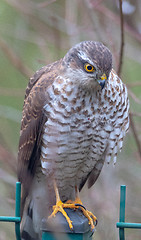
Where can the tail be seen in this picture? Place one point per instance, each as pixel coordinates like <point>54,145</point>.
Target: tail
<point>35,207</point>
<point>27,228</point>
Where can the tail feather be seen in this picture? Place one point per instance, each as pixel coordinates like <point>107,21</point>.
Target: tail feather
<point>25,236</point>
<point>36,206</point>
<point>27,229</point>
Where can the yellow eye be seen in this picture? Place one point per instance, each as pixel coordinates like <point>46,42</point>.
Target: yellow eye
<point>89,68</point>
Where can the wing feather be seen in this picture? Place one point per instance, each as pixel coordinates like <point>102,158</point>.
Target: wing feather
<point>31,130</point>
<point>93,175</point>
<point>32,123</point>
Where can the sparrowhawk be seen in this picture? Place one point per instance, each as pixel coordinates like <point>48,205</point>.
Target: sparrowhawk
<point>75,116</point>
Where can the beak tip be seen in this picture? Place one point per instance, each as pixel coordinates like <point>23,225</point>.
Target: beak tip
<point>101,83</point>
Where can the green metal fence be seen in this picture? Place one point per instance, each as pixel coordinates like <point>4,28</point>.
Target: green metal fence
<point>48,235</point>
<point>122,224</point>
<point>17,218</point>
<point>80,223</point>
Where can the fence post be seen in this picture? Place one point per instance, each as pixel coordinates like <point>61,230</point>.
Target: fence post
<point>18,209</point>
<point>122,209</point>
<point>17,218</point>
<point>58,229</point>
<point>122,224</point>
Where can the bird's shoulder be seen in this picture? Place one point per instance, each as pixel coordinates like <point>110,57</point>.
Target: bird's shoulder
<point>44,77</point>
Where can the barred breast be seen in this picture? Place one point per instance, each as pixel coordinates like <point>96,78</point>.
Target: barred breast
<point>83,128</point>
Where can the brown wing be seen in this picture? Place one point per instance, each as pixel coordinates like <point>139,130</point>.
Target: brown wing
<point>93,175</point>
<point>30,135</point>
<point>33,80</point>
<point>32,124</point>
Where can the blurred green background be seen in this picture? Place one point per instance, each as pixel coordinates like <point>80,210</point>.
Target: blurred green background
<point>35,33</point>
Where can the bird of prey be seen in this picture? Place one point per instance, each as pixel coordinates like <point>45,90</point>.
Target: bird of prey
<point>75,116</point>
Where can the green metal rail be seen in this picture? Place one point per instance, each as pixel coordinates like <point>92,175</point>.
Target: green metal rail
<point>17,218</point>
<point>48,235</point>
<point>122,224</point>
<point>80,223</point>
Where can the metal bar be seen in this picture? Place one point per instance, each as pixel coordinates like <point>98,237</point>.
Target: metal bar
<point>122,203</point>
<point>17,218</point>
<point>18,199</point>
<point>122,210</point>
<point>128,225</point>
<point>9,219</point>
<point>17,210</point>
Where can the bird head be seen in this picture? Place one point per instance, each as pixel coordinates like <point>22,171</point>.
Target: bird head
<point>89,64</point>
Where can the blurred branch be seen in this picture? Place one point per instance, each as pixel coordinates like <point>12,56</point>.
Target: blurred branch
<point>133,96</point>
<point>8,178</point>
<point>135,84</point>
<point>115,18</point>
<point>43,22</point>
<point>14,59</point>
<point>88,8</point>
<point>45,4</point>
<point>135,134</point>
<point>14,92</point>
<point>113,47</point>
<point>71,11</point>
<point>135,114</point>
<point>10,113</point>
<point>122,39</point>
<point>7,158</point>
<point>132,123</point>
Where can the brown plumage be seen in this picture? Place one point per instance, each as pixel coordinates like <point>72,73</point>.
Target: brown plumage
<point>75,116</point>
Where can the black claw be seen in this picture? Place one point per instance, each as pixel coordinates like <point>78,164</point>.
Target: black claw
<point>72,229</point>
<point>92,232</point>
<point>80,205</point>
<point>96,222</point>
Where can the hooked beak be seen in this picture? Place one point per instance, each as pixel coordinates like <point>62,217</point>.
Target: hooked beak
<point>102,80</point>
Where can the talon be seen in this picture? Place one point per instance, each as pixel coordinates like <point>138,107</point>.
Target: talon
<point>96,222</point>
<point>79,205</point>
<point>91,218</point>
<point>92,232</point>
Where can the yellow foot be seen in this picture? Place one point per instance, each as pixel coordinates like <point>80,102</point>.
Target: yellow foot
<point>59,207</point>
<point>89,215</point>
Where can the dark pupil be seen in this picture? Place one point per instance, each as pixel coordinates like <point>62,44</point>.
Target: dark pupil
<point>89,68</point>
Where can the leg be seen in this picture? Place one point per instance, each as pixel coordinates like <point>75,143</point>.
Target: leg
<point>59,207</point>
